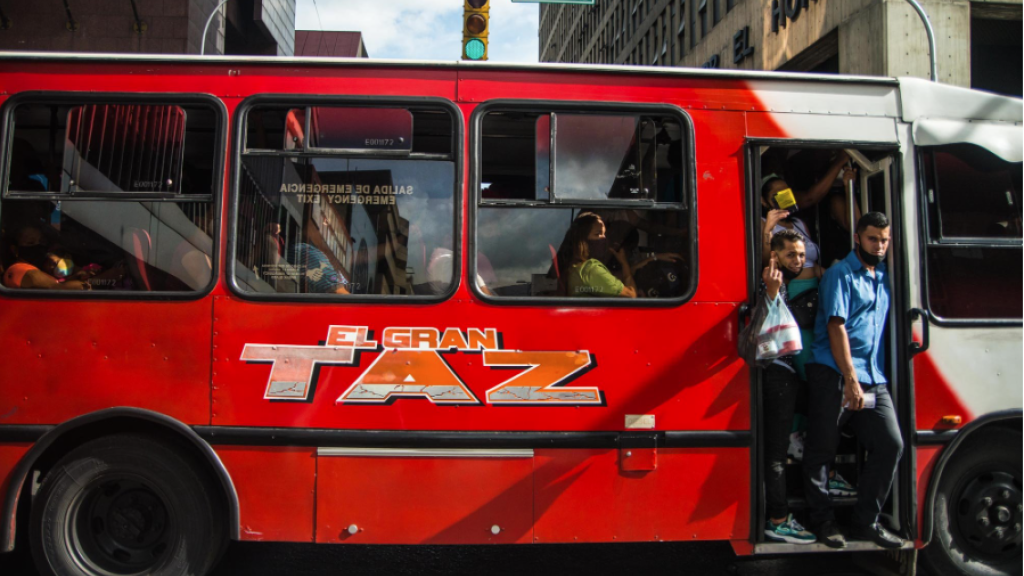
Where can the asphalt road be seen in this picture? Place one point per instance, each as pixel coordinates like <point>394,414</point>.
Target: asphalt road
<point>714,558</point>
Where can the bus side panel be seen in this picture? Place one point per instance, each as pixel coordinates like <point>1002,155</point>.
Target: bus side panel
<point>967,372</point>
<point>927,457</point>
<point>424,500</point>
<point>152,355</point>
<point>228,78</point>
<point>679,366</point>
<point>276,492</point>
<point>693,494</point>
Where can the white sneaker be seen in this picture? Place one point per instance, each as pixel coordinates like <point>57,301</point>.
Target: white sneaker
<point>796,446</point>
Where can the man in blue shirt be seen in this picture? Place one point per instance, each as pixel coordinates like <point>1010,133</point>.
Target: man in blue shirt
<point>848,369</point>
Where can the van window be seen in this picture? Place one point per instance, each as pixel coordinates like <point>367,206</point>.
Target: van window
<point>546,174</point>
<point>110,196</point>
<point>339,201</point>
<point>974,249</point>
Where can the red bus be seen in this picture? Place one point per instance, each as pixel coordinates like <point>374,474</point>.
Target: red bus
<point>326,301</point>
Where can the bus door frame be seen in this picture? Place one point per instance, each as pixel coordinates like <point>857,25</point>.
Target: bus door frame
<point>904,493</point>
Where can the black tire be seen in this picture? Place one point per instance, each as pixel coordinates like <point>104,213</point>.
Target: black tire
<point>977,514</point>
<point>127,505</point>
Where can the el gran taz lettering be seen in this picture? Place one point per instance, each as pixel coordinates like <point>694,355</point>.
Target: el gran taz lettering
<point>409,364</point>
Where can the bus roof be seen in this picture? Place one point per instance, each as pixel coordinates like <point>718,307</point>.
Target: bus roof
<point>450,65</point>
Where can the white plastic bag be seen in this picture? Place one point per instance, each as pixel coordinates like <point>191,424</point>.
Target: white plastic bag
<point>779,334</point>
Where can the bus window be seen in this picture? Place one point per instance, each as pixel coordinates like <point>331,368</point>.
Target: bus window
<point>110,196</point>
<point>974,233</point>
<point>346,201</point>
<point>625,172</point>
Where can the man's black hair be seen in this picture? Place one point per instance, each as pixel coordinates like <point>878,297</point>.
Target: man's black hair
<point>768,185</point>
<point>876,219</point>
<point>780,238</point>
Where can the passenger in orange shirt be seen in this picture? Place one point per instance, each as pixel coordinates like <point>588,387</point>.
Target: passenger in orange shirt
<point>30,251</point>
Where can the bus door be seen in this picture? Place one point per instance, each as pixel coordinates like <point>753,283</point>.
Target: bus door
<point>814,173</point>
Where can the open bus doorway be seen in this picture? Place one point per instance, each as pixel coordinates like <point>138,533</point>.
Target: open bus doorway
<point>830,186</point>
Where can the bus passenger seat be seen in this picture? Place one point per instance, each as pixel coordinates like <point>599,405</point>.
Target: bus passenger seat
<point>138,244</point>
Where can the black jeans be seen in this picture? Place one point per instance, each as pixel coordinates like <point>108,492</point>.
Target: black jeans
<point>779,392</point>
<point>876,430</point>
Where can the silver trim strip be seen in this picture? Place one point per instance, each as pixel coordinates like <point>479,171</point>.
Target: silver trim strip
<point>428,452</point>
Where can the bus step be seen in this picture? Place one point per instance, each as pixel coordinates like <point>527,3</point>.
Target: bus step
<point>799,503</point>
<point>851,546</point>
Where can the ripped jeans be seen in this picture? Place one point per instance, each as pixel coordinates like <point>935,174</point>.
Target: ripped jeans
<point>779,394</point>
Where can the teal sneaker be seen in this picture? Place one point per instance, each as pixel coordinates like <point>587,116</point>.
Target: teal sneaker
<point>789,531</point>
<point>838,486</point>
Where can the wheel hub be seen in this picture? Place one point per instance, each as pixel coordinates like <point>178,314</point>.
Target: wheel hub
<point>989,514</point>
<point>121,528</point>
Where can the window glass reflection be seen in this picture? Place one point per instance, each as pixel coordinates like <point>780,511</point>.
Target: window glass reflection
<point>332,225</point>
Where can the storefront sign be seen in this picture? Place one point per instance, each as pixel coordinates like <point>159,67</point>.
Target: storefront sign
<point>783,10</point>
<point>741,47</point>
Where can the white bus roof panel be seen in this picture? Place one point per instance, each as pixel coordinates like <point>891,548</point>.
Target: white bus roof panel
<point>943,114</point>
<point>924,99</point>
<point>1002,139</point>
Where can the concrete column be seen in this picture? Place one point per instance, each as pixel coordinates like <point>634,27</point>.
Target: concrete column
<point>906,52</point>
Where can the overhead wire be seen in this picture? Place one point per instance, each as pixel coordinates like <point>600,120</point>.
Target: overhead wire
<point>318,21</point>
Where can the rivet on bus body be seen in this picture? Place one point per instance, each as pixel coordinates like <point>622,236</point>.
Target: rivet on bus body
<point>495,529</point>
<point>352,529</point>
<point>628,454</point>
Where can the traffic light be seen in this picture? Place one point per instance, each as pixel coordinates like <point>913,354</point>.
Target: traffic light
<point>475,22</point>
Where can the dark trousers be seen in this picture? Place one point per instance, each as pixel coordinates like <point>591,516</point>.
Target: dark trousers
<point>779,393</point>
<point>876,430</point>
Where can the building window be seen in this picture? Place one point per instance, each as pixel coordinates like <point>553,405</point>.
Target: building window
<point>541,169</point>
<point>681,40</point>
<point>346,201</point>
<point>112,195</point>
<point>702,11</point>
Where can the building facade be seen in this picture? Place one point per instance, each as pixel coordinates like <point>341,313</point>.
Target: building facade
<point>253,27</point>
<point>330,44</point>
<point>978,42</point>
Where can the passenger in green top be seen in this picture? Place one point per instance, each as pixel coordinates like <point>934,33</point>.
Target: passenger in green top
<point>587,275</point>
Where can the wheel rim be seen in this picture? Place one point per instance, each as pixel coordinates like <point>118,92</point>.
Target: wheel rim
<point>118,526</point>
<point>989,515</point>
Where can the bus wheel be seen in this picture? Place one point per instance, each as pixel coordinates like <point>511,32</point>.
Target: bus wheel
<point>977,511</point>
<point>123,505</point>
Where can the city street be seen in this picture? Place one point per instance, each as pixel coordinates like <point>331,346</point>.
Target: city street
<point>268,559</point>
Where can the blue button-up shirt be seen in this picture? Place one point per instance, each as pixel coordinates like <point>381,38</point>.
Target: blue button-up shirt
<point>849,292</point>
